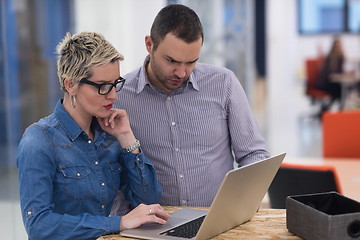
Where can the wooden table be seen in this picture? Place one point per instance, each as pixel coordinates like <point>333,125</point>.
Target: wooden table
<point>347,170</point>
<point>266,224</point>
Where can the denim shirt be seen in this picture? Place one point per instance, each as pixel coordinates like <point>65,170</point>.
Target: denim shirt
<point>68,182</point>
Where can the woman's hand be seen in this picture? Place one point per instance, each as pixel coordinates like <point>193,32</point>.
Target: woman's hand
<point>118,125</point>
<point>143,214</point>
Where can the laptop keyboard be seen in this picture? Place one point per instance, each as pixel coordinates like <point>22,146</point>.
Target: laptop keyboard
<point>187,230</point>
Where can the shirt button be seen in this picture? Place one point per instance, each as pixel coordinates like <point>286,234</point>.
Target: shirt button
<point>96,163</point>
<point>181,176</point>
<point>102,206</point>
<point>183,202</point>
<point>173,123</point>
<point>29,213</point>
<point>89,141</point>
<point>177,149</point>
<point>78,174</point>
<point>169,98</point>
<point>102,184</point>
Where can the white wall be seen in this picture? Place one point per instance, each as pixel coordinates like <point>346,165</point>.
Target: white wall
<point>281,57</point>
<point>125,23</point>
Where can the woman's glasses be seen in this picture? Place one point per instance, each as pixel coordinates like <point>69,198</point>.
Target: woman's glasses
<point>105,88</point>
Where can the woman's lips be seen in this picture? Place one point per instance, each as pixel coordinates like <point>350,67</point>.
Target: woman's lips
<point>108,107</point>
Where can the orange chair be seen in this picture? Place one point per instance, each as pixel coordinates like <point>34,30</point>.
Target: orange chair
<point>313,67</point>
<point>298,179</point>
<point>341,133</point>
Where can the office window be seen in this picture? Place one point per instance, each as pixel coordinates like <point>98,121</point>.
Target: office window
<point>328,16</point>
<point>321,16</point>
<point>354,16</point>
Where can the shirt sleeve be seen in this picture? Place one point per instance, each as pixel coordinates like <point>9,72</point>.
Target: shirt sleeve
<point>36,168</point>
<point>246,139</point>
<point>141,185</point>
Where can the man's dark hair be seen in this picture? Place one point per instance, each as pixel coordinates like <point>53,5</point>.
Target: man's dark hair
<point>178,19</point>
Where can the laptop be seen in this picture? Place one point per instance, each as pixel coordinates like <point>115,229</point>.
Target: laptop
<point>235,203</point>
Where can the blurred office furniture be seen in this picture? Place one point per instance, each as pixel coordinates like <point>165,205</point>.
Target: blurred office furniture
<point>349,82</point>
<point>341,131</point>
<point>295,179</point>
<point>317,96</point>
<point>312,67</point>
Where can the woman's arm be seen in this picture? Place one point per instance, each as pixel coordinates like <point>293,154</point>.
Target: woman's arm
<point>37,167</point>
<point>141,185</point>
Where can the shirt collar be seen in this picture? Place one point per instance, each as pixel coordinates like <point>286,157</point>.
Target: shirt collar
<point>71,128</point>
<point>144,80</point>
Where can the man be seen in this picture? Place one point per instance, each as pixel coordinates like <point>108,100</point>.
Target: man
<point>193,120</point>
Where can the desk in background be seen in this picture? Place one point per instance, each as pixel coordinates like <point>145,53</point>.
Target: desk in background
<point>347,170</point>
<point>266,224</point>
<point>348,81</point>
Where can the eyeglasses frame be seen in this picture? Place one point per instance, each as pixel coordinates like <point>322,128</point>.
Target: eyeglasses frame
<point>120,80</point>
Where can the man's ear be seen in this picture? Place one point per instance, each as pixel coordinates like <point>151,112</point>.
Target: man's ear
<point>70,86</point>
<point>149,44</point>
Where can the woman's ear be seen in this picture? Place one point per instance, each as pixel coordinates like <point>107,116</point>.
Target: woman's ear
<point>70,86</point>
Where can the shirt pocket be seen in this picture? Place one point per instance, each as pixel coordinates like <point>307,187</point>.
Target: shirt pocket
<point>205,128</point>
<point>115,172</point>
<point>77,182</point>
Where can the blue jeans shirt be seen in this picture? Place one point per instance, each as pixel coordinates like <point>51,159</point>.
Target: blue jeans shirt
<point>68,182</point>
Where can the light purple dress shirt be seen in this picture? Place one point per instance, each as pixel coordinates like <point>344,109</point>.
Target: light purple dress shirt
<point>193,135</point>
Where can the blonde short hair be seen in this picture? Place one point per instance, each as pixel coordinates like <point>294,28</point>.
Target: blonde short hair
<point>79,53</point>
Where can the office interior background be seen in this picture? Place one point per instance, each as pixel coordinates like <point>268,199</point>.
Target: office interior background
<point>265,42</point>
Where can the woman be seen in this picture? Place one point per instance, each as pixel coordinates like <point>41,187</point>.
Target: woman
<point>72,163</point>
<point>333,63</point>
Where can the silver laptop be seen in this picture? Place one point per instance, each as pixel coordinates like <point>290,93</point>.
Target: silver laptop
<point>235,203</point>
